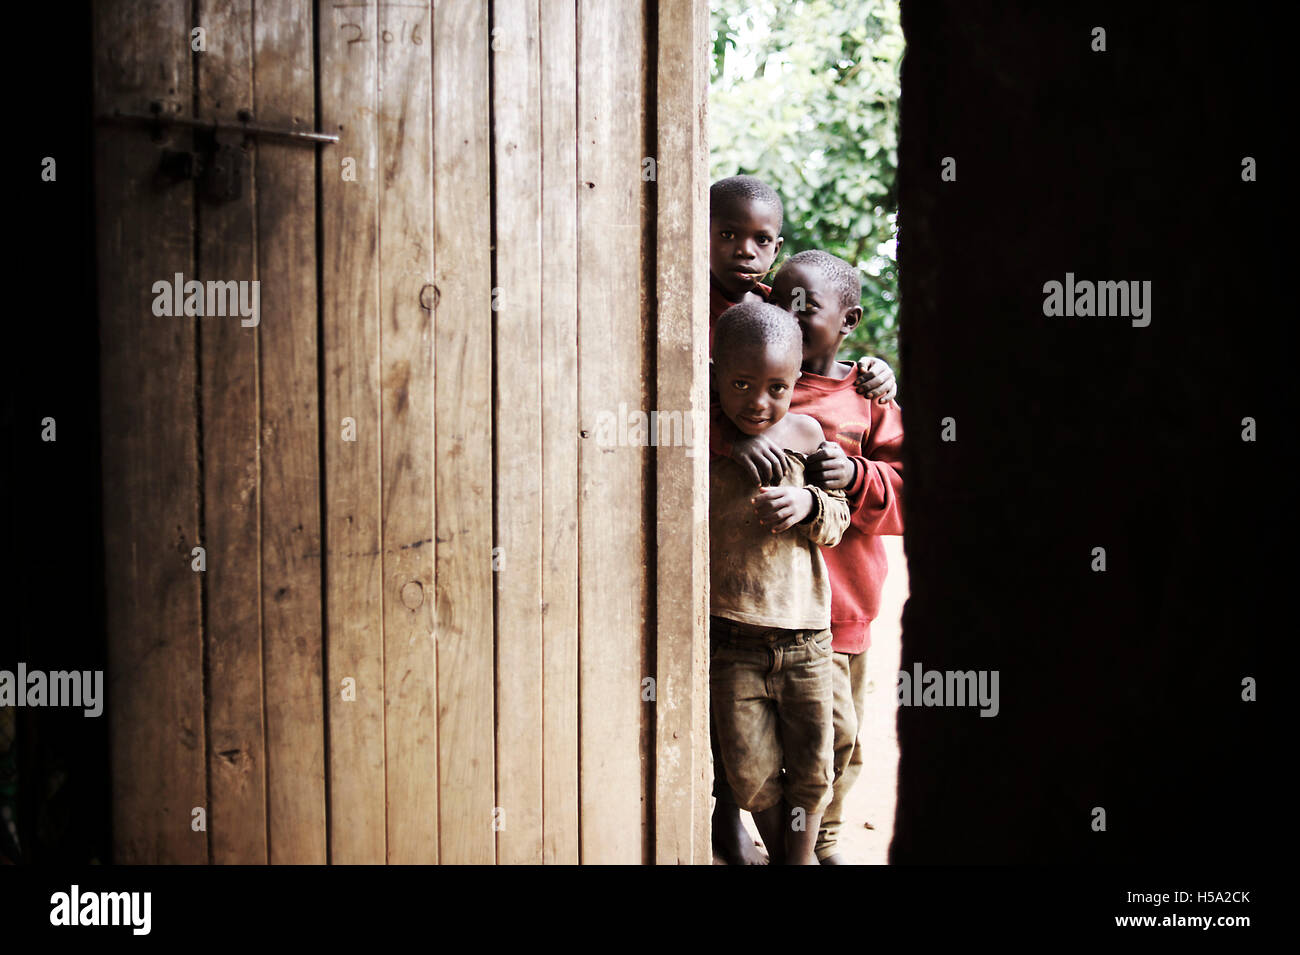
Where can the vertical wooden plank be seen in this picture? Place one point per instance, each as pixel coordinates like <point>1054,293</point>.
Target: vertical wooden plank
<point>682,772</point>
<point>284,96</point>
<point>231,471</point>
<point>517,428</point>
<point>612,369</point>
<point>150,454</point>
<point>348,62</point>
<point>463,478</point>
<point>559,367</point>
<point>406,367</point>
<point>646,296</point>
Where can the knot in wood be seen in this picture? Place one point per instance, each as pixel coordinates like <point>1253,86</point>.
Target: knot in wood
<point>429,296</point>
<point>412,594</point>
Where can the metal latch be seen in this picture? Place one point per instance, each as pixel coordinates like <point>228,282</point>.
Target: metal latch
<point>216,161</point>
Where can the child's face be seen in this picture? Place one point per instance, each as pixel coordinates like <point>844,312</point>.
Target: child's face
<point>754,385</point>
<point>805,291</point>
<point>743,242</point>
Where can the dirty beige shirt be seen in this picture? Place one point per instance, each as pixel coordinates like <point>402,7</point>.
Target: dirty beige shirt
<point>765,579</point>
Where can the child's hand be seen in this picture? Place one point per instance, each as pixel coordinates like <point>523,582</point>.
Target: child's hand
<point>781,508</point>
<point>875,379</point>
<point>829,466</point>
<point>760,458</point>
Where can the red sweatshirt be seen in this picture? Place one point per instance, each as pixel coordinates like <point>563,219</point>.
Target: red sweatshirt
<point>871,435</point>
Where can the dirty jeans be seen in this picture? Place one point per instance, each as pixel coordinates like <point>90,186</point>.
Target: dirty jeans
<point>771,697</point>
<point>850,698</point>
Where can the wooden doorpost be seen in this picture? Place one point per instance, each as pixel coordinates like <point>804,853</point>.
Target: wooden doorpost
<point>683,778</point>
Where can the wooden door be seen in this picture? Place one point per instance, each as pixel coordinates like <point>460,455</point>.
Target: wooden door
<point>435,616</point>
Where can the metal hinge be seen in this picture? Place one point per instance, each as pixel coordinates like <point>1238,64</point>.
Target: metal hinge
<point>215,161</point>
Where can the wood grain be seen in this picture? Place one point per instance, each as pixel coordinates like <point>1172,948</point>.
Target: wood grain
<point>231,469</point>
<point>559,368</point>
<point>407,416</point>
<point>350,339</point>
<point>683,778</point>
<point>463,469</point>
<point>612,337</point>
<point>292,638</point>
<point>150,454</point>
<point>517,428</point>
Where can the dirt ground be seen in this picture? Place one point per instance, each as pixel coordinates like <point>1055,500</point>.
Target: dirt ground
<point>874,796</point>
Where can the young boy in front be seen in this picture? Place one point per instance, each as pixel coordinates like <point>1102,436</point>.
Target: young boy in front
<point>770,675</point>
<point>863,457</point>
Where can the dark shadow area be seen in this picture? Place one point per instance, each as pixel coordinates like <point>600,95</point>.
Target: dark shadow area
<point>1119,689</point>
<point>54,777</point>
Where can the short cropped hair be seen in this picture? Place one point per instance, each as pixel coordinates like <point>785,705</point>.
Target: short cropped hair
<point>725,193</point>
<point>756,323</point>
<point>843,277</point>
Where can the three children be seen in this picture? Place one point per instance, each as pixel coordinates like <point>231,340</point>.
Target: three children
<point>857,454</point>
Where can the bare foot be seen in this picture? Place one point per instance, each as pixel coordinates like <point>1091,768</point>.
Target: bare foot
<point>771,823</point>
<point>731,840</point>
<point>834,859</point>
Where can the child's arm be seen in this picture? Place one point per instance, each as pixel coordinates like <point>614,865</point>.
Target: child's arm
<point>875,492</point>
<point>781,508</point>
<point>832,518</point>
<point>875,379</point>
<point>821,516</point>
<point>873,482</point>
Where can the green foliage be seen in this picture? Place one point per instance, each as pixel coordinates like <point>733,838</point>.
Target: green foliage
<point>804,95</point>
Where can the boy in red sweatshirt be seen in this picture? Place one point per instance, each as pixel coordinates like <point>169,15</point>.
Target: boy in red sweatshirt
<point>861,456</point>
